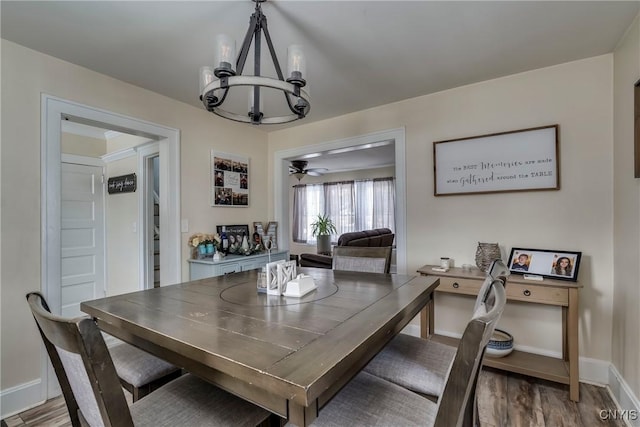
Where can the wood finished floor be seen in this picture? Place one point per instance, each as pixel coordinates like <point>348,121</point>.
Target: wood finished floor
<point>508,400</point>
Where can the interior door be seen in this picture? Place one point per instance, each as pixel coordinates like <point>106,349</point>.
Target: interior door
<point>82,236</point>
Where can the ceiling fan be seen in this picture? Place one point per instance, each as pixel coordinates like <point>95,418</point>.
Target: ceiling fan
<point>298,168</point>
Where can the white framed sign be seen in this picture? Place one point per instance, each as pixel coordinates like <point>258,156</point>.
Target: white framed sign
<point>229,180</point>
<point>520,160</point>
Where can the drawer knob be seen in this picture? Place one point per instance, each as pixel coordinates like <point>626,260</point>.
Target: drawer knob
<point>527,293</point>
<point>456,285</point>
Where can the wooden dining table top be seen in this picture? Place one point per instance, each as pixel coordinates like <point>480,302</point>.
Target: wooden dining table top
<point>289,355</point>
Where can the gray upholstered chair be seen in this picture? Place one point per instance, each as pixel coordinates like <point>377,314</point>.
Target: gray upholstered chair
<point>140,372</point>
<point>92,389</point>
<point>354,258</point>
<point>371,400</point>
<point>421,365</point>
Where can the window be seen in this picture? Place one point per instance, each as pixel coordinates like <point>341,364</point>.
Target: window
<point>351,205</point>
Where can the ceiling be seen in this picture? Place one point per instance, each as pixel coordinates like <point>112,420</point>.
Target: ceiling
<point>365,156</point>
<point>360,54</point>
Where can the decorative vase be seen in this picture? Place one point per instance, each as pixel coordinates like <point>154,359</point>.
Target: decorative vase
<point>486,254</point>
<point>210,249</point>
<point>202,251</point>
<point>324,244</point>
<point>245,244</point>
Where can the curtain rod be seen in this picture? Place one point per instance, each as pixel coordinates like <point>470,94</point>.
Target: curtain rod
<point>346,182</point>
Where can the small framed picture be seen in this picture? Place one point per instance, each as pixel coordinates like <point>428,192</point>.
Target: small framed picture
<point>553,264</point>
<point>235,234</point>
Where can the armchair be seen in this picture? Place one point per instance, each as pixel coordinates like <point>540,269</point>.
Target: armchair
<point>379,237</point>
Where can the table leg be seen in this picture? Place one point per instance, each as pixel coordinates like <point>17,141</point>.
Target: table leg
<point>565,336</point>
<point>427,319</point>
<point>572,344</point>
<point>302,416</point>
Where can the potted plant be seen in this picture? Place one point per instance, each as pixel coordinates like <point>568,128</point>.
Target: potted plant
<point>322,228</point>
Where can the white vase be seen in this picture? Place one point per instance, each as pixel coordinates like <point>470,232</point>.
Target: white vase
<point>245,244</point>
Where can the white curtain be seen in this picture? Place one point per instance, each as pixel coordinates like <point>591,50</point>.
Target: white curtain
<point>351,205</point>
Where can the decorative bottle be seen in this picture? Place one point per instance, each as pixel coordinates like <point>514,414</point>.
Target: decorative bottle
<point>245,243</point>
<point>225,241</point>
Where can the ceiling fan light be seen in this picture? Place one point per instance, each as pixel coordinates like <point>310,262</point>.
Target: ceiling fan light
<point>299,175</point>
<point>225,56</point>
<point>296,65</point>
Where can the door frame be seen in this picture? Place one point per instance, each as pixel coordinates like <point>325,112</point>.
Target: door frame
<point>145,214</point>
<point>281,184</point>
<point>53,110</point>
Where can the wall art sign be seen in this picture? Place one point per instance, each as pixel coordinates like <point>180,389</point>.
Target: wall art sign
<point>520,160</point>
<point>122,184</point>
<point>229,180</point>
<point>553,264</point>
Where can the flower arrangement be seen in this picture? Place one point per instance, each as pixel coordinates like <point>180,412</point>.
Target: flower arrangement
<point>198,239</point>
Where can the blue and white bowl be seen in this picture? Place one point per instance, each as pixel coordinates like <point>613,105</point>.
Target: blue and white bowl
<point>500,344</point>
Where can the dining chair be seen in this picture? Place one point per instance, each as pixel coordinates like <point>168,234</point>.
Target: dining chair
<point>365,259</point>
<point>421,365</point>
<point>371,400</point>
<point>92,390</point>
<point>140,372</point>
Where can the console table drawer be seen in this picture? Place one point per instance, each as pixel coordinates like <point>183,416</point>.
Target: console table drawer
<point>537,294</point>
<point>459,286</point>
<point>228,269</point>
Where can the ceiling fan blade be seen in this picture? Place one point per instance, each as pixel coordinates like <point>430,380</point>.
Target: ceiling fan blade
<point>313,172</point>
<point>319,170</point>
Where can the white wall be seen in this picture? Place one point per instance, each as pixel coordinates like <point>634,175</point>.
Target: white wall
<point>626,197</point>
<point>82,145</point>
<point>25,75</point>
<point>577,96</point>
<point>122,240</point>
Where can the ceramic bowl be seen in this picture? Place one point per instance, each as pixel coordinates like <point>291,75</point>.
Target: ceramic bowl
<point>500,344</point>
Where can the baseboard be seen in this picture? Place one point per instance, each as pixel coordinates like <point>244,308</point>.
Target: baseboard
<point>20,398</point>
<point>591,370</point>
<point>624,396</point>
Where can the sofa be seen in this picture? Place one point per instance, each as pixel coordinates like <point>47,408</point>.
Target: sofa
<point>379,237</point>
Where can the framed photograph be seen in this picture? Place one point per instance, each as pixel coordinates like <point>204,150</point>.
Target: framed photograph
<point>235,233</point>
<point>519,160</point>
<point>229,180</point>
<point>552,264</point>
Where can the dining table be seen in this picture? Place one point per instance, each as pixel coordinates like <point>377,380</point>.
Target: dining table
<point>287,354</point>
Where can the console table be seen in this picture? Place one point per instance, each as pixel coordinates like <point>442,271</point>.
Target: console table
<point>202,268</point>
<point>549,292</point>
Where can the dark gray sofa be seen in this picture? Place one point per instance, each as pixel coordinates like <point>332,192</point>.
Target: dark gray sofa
<point>378,237</point>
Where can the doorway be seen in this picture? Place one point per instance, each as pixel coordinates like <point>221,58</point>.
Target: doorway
<point>54,110</point>
<point>281,183</point>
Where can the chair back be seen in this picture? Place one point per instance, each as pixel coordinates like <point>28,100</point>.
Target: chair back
<point>355,258</point>
<point>456,406</point>
<point>83,367</point>
<point>497,270</point>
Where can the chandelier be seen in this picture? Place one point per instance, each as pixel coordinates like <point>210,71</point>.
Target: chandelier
<point>216,83</point>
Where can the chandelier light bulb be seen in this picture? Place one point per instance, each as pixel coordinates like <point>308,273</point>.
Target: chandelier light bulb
<point>225,56</point>
<point>296,65</point>
<point>206,77</point>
